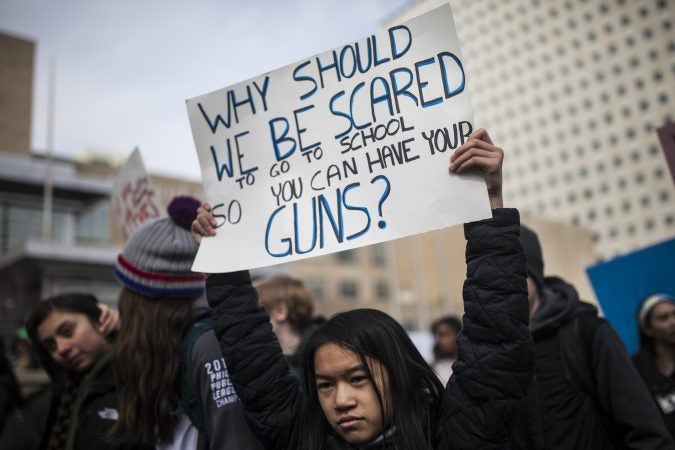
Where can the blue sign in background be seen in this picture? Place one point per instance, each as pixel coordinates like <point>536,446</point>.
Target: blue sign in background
<point>623,282</point>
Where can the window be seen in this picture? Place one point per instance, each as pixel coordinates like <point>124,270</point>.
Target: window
<point>382,291</point>
<point>349,289</point>
<point>318,287</point>
<point>93,224</point>
<point>645,201</point>
<point>346,256</point>
<point>379,254</point>
<point>21,222</point>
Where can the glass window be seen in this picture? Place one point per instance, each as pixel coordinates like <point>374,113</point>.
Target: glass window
<point>318,287</point>
<point>349,289</point>
<point>379,254</point>
<point>382,291</point>
<point>346,256</point>
<point>21,222</point>
<point>93,224</point>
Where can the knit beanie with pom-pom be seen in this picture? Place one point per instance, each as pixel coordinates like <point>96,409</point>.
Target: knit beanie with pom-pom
<point>157,259</point>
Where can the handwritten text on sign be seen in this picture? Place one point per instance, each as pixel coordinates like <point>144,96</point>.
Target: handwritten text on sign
<point>134,198</point>
<point>343,149</point>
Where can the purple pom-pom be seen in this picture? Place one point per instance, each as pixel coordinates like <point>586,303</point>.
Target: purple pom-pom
<point>183,210</point>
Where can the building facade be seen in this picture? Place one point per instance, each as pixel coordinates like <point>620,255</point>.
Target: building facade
<point>574,91</point>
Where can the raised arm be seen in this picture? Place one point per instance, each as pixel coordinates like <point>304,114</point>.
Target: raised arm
<point>495,365</point>
<point>270,394</point>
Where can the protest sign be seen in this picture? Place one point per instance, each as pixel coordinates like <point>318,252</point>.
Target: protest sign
<point>623,282</point>
<point>134,198</point>
<point>343,149</point>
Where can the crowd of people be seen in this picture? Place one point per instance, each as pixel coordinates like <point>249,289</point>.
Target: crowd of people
<point>218,362</point>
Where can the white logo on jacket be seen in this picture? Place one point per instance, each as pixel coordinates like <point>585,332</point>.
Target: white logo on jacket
<point>222,390</point>
<point>109,413</point>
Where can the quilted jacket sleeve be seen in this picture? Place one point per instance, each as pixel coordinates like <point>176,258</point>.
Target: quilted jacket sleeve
<point>271,395</point>
<point>495,365</point>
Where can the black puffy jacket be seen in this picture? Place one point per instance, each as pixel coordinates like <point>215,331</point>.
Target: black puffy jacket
<point>609,410</point>
<point>492,374</point>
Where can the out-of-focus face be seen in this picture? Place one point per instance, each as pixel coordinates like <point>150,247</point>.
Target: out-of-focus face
<point>532,295</point>
<point>661,325</point>
<point>347,396</point>
<point>446,340</point>
<point>71,340</point>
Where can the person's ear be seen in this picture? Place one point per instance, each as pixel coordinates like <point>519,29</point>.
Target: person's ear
<point>279,313</point>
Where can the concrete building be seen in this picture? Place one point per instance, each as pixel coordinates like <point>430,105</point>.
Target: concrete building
<point>573,91</point>
<point>16,93</point>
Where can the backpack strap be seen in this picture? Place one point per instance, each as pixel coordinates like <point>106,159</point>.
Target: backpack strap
<point>190,400</point>
<point>576,342</point>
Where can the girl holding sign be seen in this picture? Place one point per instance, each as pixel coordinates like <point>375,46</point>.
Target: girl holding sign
<point>364,383</point>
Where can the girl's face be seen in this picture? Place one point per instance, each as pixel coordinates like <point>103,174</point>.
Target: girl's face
<point>661,324</point>
<point>72,340</point>
<point>347,396</point>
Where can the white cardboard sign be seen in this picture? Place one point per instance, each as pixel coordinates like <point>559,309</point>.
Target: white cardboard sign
<point>134,198</point>
<point>340,150</point>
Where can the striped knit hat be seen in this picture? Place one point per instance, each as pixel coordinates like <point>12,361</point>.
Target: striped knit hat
<point>157,258</point>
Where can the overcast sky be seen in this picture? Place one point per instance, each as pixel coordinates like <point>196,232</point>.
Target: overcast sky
<point>124,68</point>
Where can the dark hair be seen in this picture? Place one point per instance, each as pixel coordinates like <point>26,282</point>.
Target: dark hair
<point>648,341</point>
<point>291,292</point>
<point>85,304</point>
<point>66,381</point>
<point>413,390</point>
<point>452,321</point>
<point>147,369</point>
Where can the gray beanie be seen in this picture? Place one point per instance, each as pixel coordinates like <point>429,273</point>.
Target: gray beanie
<point>157,259</point>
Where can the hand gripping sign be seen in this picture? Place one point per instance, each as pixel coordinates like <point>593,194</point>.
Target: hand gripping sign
<point>340,150</point>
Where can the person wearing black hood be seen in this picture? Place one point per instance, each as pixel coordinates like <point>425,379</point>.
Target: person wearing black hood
<point>587,393</point>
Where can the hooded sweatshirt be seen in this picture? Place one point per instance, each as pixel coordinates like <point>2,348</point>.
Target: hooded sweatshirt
<point>618,413</point>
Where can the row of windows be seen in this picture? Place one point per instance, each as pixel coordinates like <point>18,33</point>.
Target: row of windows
<point>349,289</point>
<point>22,222</point>
<point>566,177</point>
<point>378,255</point>
<point>642,105</point>
<point>645,201</point>
<point>579,63</point>
<point>631,228</point>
